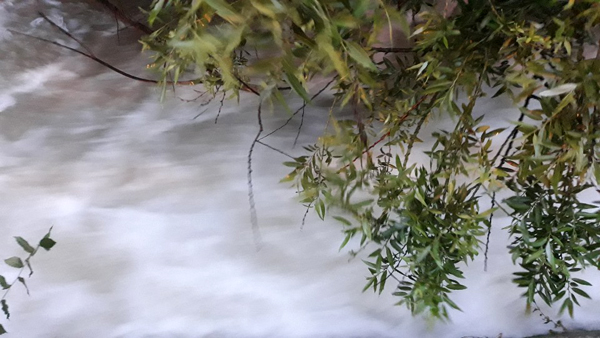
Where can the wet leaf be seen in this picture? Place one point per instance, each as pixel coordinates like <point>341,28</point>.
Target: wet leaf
<point>47,243</point>
<point>5,308</point>
<point>23,243</point>
<point>15,262</point>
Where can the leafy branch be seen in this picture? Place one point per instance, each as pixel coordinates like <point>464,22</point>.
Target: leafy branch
<point>16,262</point>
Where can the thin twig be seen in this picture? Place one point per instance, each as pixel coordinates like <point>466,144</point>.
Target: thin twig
<point>305,214</point>
<point>392,50</point>
<point>413,138</point>
<point>298,110</point>
<point>220,107</point>
<point>200,113</point>
<point>194,99</point>
<point>253,216</point>
<point>249,87</point>
<point>64,31</point>
<point>557,324</point>
<point>118,30</point>
<point>509,141</point>
<point>91,56</point>
<point>100,61</point>
<point>118,13</point>
<point>300,126</point>
<point>275,149</point>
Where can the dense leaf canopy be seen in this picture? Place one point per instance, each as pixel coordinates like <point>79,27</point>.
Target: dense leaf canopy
<point>397,65</point>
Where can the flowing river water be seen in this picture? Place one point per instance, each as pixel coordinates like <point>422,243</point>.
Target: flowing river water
<point>149,204</point>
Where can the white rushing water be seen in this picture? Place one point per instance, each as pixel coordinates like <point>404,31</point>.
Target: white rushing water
<point>150,211</point>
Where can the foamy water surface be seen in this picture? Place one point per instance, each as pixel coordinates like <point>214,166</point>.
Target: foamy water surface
<point>150,210</point>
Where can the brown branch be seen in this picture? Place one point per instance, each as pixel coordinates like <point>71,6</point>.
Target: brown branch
<point>119,14</point>
<point>100,61</point>
<point>249,88</point>
<point>220,107</point>
<point>66,33</point>
<point>253,216</point>
<point>90,55</point>
<point>300,126</point>
<point>392,50</point>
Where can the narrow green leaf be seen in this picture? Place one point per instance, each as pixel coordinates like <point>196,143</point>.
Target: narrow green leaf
<point>296,85</point>
<point>2,330</point>
<point>23,243</point>
<point>5,308</point>
<point>581,292</point>
<point>155,10</point>
<point>15,262</point>
<point>452,304</point>
<point>225,11</point>
<point>342,220</point>
<point>367,230</point>
<point>362,204</point>
<point>456,287</point>
<point>348,236</point>
<point>371,281</point>
<point>570,308</point>
<point>582,282</point>
<point>421,256</point>
<point>419,197</point>
<point>382,281</point>
<point>534,256</point>
<point>320,208</point>
<point>302,36</point>
<point>3,283</point>
<point>549,254</point>
<point>360,55</point>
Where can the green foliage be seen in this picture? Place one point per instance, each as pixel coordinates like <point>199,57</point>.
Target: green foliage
<point>425,222</point>
<point>16,262</point>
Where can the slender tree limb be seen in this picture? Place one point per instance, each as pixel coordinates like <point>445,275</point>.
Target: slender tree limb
<point>102,62</point>
<point>387,50</point>
<point>415,134</point>
<point>413,138</point>
<point>275,149</point>
<point>64,31</point>
<point>298,110</point>
<point>300,126</point>
<point>305,214</point>
<point>220,107</point>
<point>119,14</point>
<point>251,89</point>
<point>509,141</point>
<point>253,215</point>
<point>90,55</point>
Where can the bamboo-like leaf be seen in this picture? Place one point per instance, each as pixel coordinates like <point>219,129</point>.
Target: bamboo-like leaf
<point>360,55</point>
<point>225,11</point>
<point>23,243</point>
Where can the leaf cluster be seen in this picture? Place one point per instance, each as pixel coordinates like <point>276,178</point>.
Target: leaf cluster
<point>21,263</point>
<point>425,221</point>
